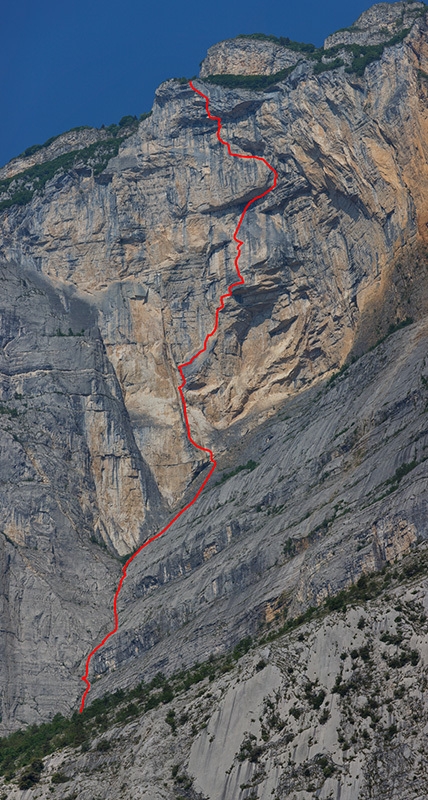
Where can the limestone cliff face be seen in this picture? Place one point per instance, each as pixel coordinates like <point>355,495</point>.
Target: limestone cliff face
<point>73,483</point>
<point>336,708</point>
<point>134,259</point>
<point>72,140</point>
<point>244,56</point>
<point>352,168</point>
<point>378,24</point>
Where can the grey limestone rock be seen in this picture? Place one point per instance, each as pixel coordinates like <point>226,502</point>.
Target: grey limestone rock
<point>109,281</point>
<point>378,24</point>
<point>244,56</point>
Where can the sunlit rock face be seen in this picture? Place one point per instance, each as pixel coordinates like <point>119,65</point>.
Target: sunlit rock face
<point>245,56</point>
<point>378,24</point>
<point>110,280</point>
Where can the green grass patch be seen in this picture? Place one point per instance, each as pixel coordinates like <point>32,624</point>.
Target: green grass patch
<point>9,412</point>
<point>248,467</point>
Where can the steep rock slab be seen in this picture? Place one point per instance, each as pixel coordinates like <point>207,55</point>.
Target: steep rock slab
<point>149,241</point>
<point>73,482</point>
<point>351,155</point>
<point>336,707</point>
<point>333,487</point>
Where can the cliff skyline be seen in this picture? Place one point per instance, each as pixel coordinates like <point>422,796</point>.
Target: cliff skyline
<point>274,642</point>
<point>89,64</point>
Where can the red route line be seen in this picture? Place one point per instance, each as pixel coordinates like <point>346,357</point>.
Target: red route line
<point>180,368</point>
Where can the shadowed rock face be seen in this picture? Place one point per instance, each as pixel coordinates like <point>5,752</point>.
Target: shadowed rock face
<point>94,448</point>
<point>72,480</point>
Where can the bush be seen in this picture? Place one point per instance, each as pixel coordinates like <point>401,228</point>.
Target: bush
<point>127,120</point>
<point>402,659</point>
<point>290,44</point>
<point>248,467</point>
<point>59,777</point>
<point>152,702</point>
<point>103,745</point>
<point>256,82</point>
<point>167,694</point>
<point>364,653</point>
<point>242,647</point>
<point>250,750</point>
<point>170,720</point>
<point>129,712</point>
<point>390,732</point>
<point>314,698</point>
<point>289,548</point>
<point>400,472</point>
<point>320,66</point>
<point>32,775</point>
<point>11,412</point>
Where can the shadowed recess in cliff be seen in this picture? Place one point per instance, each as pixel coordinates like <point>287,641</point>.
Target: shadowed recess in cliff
<point>181,367</point>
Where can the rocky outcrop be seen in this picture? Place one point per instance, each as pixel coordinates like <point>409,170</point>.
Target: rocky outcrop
<point>339,490</point>
<point>73,483</point>
<point>76,139</point>
<point>378,24</point>
<point>336,707</point>
<point>264,55</point>
<point>246,56</point>
<point>129,264</point>
<point>317,250</point>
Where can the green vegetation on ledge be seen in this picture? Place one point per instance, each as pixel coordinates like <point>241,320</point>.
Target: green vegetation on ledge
<point>321,66</point>
<point>21,188</point>
<point>256,82</point>
<point>363,55</point>
<point>36,147</point>
<point>127,120</point>
<point>27,748</point>
<point>248,467</point>
<point>284,41</point>
<point>23,748</point>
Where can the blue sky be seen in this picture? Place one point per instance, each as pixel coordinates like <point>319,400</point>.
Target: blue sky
<point>89,62</point>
